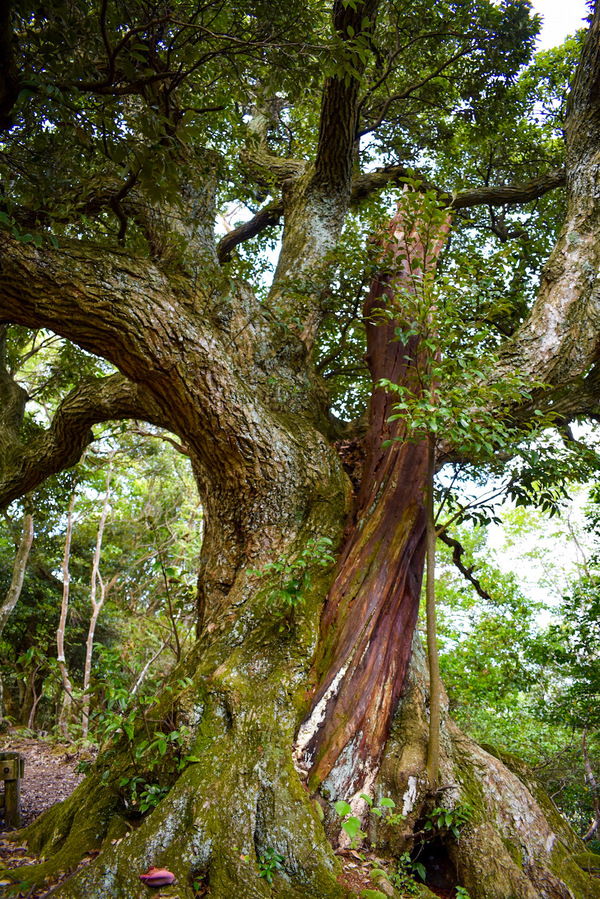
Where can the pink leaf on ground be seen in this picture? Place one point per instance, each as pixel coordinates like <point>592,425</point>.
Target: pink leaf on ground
<point>157,877</point>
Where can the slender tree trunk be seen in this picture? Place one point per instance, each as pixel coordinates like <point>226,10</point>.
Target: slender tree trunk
<point>144,672</point>
<point>97,604</point>
<point>19,566</point>
<point>435,687</point>
<point>35,699</point>
<point>18,576</point>
<point>67,698</point>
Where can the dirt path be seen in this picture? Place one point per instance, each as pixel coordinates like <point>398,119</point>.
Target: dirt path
<point>50,773</point>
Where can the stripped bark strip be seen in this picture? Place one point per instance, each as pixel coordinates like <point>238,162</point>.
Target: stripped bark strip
<point>435,682</point>
<point>371,611</point>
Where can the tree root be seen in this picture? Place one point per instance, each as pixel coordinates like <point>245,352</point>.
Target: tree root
<point>516,844</point>
<point>243,801</point>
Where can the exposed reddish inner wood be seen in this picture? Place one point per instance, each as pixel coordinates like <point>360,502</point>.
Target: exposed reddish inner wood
<point>371,611</point>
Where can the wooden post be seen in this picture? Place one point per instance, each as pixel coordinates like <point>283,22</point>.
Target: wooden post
<point>12,768</point>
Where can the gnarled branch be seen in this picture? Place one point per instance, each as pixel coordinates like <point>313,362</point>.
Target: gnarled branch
<point>499,195</point>
<point>94,400</point>
<point>266,217</point>
<point>458,552</point>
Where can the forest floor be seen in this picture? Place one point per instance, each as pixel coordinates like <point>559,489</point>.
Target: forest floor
<point>50,776</point>
<point>50,772</point>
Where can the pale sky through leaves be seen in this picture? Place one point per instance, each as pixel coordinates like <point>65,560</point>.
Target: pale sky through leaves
<point>561,18</point>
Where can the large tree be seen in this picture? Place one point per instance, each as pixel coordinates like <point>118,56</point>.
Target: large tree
<point>126,127</point>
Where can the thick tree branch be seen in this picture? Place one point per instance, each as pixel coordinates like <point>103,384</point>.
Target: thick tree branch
<point>12,402</point>
<point>187,343</point>
<point>94,400</point>
<point>317,203</point>
<point>365,185</point>
<point>561,338</point>
<point>265,218</point>
<point>509,194</point>
<point>265,167</point>
<point>339,102</point>
<point>501,195</point>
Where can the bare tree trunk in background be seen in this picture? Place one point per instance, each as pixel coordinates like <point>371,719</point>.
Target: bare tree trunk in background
<point>35,697</point>
<point>67,699</point>
<point>18,574</point>
<point>19,567</point>
<point>97,604</point>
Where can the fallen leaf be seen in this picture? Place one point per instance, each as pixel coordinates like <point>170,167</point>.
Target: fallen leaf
<point>157,877</point>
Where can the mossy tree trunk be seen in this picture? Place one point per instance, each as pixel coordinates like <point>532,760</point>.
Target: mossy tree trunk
<point>272,481</point>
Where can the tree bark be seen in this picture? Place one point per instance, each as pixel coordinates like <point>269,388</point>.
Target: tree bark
<point>271,481</point>
<point>558,343</point>
<point>591,779</point>
<point>371,612</point>
<point>435,685</point>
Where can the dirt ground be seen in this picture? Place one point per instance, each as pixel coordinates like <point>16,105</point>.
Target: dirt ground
<point>50,776</point>
<point>50,773</point>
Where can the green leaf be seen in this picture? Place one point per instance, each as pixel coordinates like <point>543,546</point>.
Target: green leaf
<point>351,826</point>
<point>420,869</point>
<point>342,808</point>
